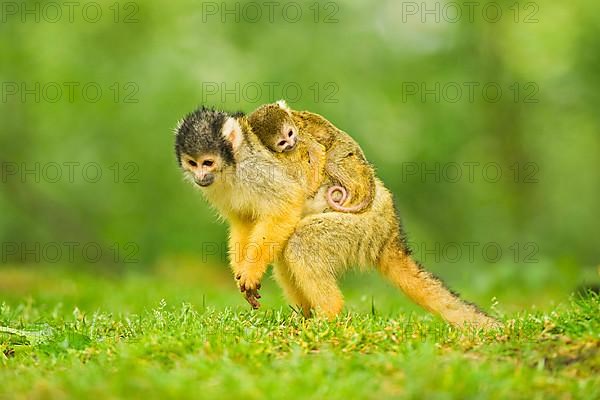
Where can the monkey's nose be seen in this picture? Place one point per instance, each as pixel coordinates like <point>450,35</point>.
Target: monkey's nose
<point>205,181</point>
<point>290,145</point>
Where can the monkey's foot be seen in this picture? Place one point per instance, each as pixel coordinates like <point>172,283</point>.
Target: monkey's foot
<point>249,286</point>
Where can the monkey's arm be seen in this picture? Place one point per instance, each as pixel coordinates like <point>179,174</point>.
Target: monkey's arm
<point>239,235</point>
<point>265,243</point>
<point>316,172</point>
<point>239,239</point>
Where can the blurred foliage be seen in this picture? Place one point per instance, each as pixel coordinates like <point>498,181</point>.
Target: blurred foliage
<point>370,55</point>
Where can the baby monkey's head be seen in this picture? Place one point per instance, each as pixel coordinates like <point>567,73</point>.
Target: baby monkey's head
<point>274,126</point>
<point>205,144</point>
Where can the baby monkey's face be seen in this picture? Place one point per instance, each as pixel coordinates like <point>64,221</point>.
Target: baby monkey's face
<point>275,128</point>
<point>283,139</point>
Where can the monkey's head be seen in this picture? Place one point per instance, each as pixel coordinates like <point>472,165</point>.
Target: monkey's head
<point>274,126</point>
<point>205,144</point>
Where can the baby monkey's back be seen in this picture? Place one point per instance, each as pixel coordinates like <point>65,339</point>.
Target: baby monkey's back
<point>350,177</point>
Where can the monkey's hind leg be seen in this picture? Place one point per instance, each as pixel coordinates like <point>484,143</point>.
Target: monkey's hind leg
<point>309,262</point>
<point>292,292</point>
<point>428,291</point>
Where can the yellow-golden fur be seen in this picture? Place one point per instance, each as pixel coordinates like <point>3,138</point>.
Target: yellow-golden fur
<point>272,221</point>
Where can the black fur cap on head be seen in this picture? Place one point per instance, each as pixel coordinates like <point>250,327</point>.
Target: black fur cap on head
<point>199,132</point>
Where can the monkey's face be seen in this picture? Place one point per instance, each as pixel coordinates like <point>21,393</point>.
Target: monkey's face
<point>201,169</point>
<point>205,142</point>
<point>275,128</point>
<point>285,139</point>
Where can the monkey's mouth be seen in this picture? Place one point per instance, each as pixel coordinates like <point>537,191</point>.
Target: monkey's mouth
<point>207,180</point>
<point>290,146</point>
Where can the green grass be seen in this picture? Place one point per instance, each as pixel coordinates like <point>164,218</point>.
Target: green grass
<point>86,335</point>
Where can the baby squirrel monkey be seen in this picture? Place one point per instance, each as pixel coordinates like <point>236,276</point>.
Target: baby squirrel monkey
<point>351,176</point>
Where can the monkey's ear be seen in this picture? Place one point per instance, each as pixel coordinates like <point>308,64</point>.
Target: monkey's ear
<point>232,132</point>
<point>282,104</point>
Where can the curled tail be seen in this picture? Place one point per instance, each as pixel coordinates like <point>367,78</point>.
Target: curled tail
<point>336,205</point>
<point>428,291</point>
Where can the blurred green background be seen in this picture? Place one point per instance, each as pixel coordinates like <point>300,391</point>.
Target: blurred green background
<point>386,72</point>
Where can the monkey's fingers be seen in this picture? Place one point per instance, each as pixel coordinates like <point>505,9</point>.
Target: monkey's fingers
<point>244,288</point>
<point>251,297</point>
<point>247,283</point>
<point>253,293</point>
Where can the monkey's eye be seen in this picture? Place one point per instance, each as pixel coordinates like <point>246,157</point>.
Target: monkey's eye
<point>290,133</point>
<point>192,163</point>
<point>207,163</point>
<point>281,143</point>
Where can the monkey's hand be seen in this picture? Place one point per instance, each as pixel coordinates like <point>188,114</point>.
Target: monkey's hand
<point>249,287</point>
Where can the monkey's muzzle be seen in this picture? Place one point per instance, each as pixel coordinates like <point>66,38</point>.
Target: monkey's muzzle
<point>290,146</point>
<point>205,181</point>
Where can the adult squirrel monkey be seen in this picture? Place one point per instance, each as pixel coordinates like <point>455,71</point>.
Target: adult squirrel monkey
<point>217,150</point>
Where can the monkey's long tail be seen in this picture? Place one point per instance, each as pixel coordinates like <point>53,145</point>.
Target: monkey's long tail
<point>428,291</point>
<point>336,205</point>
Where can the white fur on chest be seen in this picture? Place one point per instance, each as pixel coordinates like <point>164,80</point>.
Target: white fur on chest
<point>257,187</point>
